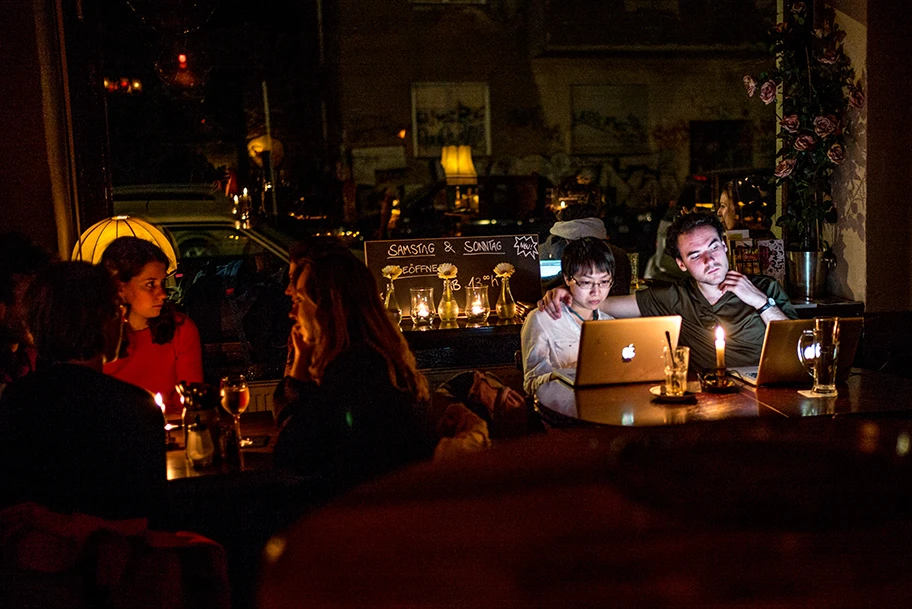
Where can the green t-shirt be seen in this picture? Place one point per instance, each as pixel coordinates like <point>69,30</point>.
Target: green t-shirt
<point>744,329</point>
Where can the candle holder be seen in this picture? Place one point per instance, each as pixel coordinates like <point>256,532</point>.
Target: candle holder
<point>422,306</point>
<point>477,307</point>
<point>718,382</point>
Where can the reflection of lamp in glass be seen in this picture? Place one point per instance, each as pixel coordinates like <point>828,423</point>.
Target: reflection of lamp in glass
<point>97,237</point>
<point>460,171</point>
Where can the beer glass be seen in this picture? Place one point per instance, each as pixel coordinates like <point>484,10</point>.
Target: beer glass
<point>818,350</point>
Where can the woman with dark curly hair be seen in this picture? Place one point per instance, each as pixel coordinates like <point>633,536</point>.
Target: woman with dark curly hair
<point>357,405</point>
<point>163,346</point>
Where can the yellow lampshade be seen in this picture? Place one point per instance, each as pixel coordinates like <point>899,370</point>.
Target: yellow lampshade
<point>97,237</point>
<point>457,165</point>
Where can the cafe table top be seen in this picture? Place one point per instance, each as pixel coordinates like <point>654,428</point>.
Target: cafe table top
<point>867,392</point>
<point>258,425</point>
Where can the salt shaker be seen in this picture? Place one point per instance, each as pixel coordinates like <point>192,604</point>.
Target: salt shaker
<point>200,449</point>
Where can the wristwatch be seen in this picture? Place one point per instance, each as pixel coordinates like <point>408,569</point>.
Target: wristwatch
<point>771,302</point>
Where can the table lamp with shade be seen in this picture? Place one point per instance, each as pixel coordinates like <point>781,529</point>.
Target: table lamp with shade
<point>93,242</point>
<point>460,171</point>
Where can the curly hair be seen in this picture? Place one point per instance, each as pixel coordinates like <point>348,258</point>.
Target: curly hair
<point>125,258</point>
<point>69,305</point>
<point>686,223</point>
<point>349,312</point>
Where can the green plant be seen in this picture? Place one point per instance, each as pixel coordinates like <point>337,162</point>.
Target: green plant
<point>818,86</point>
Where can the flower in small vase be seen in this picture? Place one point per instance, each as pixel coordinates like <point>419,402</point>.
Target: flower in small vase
<point>391,271</point>
<point>447,271</point>
<point>504,269</point>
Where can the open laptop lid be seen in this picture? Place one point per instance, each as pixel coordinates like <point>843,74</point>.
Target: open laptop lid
<point>779,363</point>
<point>615,351</point>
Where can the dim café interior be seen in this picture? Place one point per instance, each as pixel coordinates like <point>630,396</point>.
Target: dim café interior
<point>455,303</point>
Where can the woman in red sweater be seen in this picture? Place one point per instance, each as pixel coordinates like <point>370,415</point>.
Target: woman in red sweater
<point>163,346</point>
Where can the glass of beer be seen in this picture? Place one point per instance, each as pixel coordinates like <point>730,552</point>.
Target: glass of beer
<point>818,350</point>
<point>235,398</point>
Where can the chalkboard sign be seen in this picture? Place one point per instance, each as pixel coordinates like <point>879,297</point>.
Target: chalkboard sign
<point>475,257</point>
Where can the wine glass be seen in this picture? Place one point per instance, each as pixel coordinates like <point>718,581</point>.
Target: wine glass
<point>235,397</point>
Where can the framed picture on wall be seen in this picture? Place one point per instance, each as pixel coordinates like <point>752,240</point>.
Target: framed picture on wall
<point>449,114</point>
<point>608,119</point>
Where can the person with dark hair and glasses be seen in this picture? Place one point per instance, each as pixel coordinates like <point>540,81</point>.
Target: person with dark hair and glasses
<point>587,268</point>
<point>712,296</point>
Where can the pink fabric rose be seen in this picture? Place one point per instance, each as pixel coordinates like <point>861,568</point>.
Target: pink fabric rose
<point>790,123</point>
<point>829,57</point>
<point>856,97</point>
<point>804,142</point>
<point>750,84</point>
<point>825,125</point>
<point>768,92</point>
<point>784,168</point>
<point>836,154</point>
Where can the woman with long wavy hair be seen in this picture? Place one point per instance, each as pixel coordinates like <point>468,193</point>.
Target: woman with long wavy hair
<point>356,404</point>
<point>163,345</point>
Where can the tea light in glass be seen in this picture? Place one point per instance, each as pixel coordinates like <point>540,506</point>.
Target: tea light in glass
<point>477,307</point>
<point>422,309</point>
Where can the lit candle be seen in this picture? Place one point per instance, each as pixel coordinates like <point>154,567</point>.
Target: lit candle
<point>477,309</point>
<point>720,347</point>
<point>161,404</point>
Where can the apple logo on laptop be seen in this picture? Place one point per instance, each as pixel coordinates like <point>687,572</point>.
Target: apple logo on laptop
<point>628,353</point>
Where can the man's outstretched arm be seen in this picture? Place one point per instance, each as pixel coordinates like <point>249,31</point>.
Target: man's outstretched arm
<point>616,306</point>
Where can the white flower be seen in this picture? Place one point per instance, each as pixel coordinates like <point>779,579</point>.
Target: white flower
<point>447,271</point>
<point>504,269</point>
<point>391,272</point>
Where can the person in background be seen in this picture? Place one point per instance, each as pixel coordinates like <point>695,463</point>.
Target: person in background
<point>577,221</point>
<point>20,259</point>
<point>163,346</point>
<point>661,266</point>
<point>587,268</point>
<point>739,209</point>
<point>72,438</point>
<point>712,296</point>
<point>358,405</point>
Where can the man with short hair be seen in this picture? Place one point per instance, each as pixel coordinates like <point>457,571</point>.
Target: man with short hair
<point>712,296</point>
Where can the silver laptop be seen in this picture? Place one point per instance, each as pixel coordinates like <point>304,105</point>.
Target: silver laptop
<point>615,351</point>
<point>779,363</point>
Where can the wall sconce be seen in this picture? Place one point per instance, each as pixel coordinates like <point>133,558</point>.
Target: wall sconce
<point>460,171</point>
